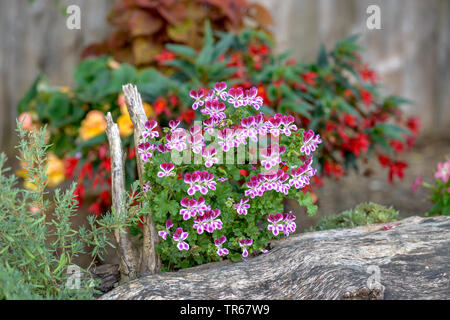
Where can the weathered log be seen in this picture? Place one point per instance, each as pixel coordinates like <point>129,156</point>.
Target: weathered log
<point>126,251</point>
<point>413,260</point>
<point>109,276</point>
<point>150,261</point>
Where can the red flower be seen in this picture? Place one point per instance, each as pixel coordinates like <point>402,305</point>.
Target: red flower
<point>396,169</point>
<point>70,166</point>
<point>86,170</point>
<point>173,99</point>
<point>102,151</point>
<point>414,125</point>
<point>187,116</point>
<point>410,141</point>
<point>310,77</point>
<point>300,86</point>
<point>160,106</point>
<point>384,160</point>
<point>366,96</point>
<point>78,194</point>
<point>263,94</point>
<point>397,145</point>
<point>350,120</point>
<point>357,144</point>
<point>244,172</point>
<point>95,208</point>
<point>368,74</point>
<point>105,196</point>
<point>291,62</point>
<point>165,55</point>
<point>331,167</point>
<point>141,222</point>
<point>131,153</point>
<point>349,93</point>
<point>106,164</point>
<point>262,50</point>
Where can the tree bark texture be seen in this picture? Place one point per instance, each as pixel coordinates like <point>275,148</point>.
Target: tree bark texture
<point>126,251</point>
<point>409,261</point>
<point>150,261</point>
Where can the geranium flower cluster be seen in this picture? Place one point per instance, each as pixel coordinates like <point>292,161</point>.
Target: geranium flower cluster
<point>440,196</point>
<point>285,164</point>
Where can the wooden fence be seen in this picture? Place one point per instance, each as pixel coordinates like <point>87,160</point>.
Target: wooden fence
<point>411,51</point>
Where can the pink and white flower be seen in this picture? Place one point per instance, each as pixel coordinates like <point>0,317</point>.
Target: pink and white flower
<point>164,233</point>
<point>236,97</point>
<point>242,206</point>
<point>193,207</point>
<point>300,177</point>
<point>173,124</point>
<point>443,171</point>
<point>176,140</point>
<point>310,142</point>
<point>208,221</point>
<point>179,236</point>
<point>215,109</point>
<point>251,98</point>
<point>275,223</point>
<point>197,143</point>
<point>145,151</point>
<point>200,181</point>
<point>211,124</point>
<point>225,137</point>
<point>255,187</point>
<point>208,155</point>
<point>197,96</point>
<point>218,243</point>
<point>166,169</point>
<point>150,127</point>
<point>244,244</point>
<point>272,155</point>
<point>220,88</point>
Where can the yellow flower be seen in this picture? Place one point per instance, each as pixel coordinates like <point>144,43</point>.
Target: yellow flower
<point>125,125</point>
<point>124,121</point>
<point>55,170</point>
<point>93,125</point>
<point>148,110</point>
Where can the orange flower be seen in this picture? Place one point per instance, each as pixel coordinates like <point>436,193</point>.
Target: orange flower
<point>124,122</point>
<point>93,125</point>
<point>55,170</point>
<point>125,125</point>
<point>27,121</point>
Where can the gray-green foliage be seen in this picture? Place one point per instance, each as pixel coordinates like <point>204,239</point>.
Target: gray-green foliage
<point>37,241</point>
<point>365,213</point>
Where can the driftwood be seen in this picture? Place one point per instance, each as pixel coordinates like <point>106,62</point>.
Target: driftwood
<point>150,261</point>
<point>126,252</point>
<point>409,261</point>
<point>109,276</point>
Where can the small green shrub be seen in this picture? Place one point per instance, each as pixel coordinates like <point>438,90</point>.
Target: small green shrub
<point>365,213</point>
<point>37,242</point>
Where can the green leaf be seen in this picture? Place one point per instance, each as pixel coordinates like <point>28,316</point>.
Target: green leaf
<point>223,45</point>
<point>182,50</point>
<point>30,95</point>
<point>58,106</point>
<point>306,201</point>
<point>322,59</point>
<point>121,76</point>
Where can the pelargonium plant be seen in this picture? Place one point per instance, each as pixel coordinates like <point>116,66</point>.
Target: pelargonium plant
<point>216,189</point>
<point>441,189</point>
